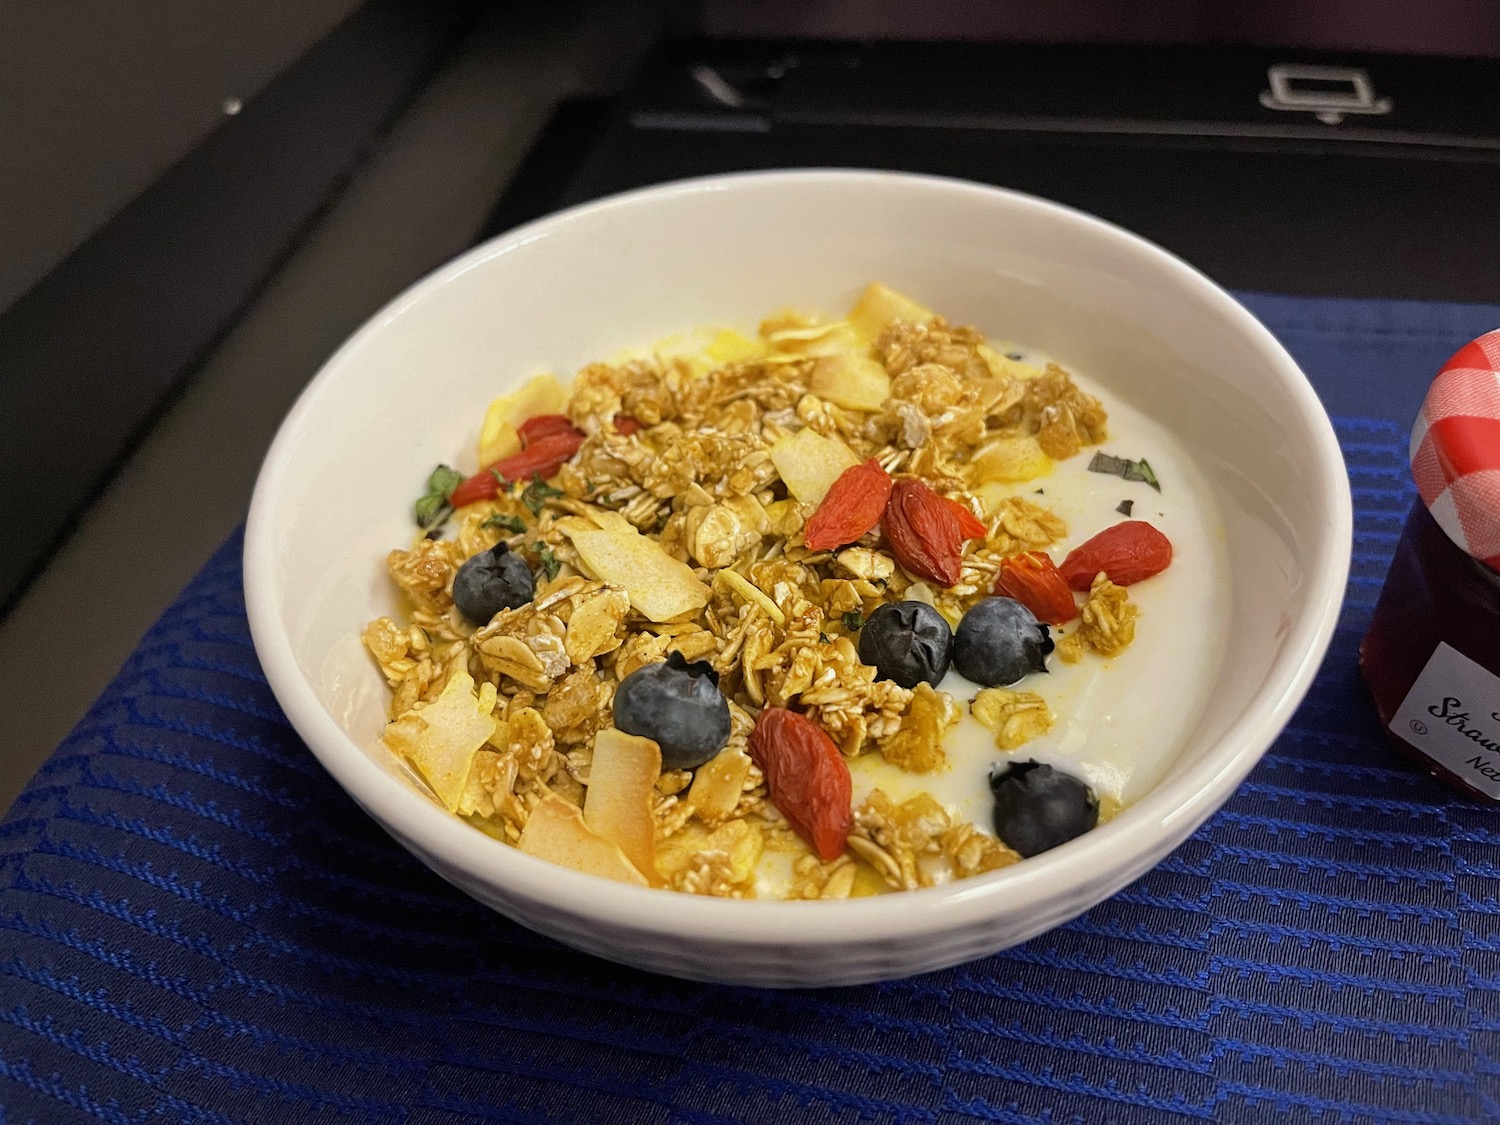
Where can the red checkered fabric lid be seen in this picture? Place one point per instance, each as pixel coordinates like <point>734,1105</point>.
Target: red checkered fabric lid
<point>1455,449</point>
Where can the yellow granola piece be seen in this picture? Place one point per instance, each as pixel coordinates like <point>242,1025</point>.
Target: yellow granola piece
<point>1064,418</point>
<point>813,879</point>
<point>907,344</point>
<point>719,862</point>
<point>578,706</point>
<point>918,746</point>
<point>837,691</point>
<point>525,644</point>
<point>640,388</point>
<point>870,565</point>
<point>416,662</point>
<point>593,615</point>
<point>490,785</point>
<point>425,573</point>
<point>721,464</point>
<point>732,390</point>
<point>893,838</point>
<point>972,852</point>
<point>718,534</point>
<point>1016,717</point>
<point>1106,625</point>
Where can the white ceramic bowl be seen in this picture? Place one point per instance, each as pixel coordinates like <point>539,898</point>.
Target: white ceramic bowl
<point>408,390</point>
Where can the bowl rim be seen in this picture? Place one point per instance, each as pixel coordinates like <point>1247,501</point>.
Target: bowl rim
<point>1171,810</point>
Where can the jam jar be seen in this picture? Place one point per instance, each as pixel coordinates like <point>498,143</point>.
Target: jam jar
<point>1431,656</point>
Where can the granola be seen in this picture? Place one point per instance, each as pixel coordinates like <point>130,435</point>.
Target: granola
<point>669,527</point>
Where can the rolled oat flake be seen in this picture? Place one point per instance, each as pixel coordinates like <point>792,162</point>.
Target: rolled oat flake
<point>1432,653</point>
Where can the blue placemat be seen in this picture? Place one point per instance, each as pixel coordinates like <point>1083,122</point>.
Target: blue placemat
<point>196,925</point>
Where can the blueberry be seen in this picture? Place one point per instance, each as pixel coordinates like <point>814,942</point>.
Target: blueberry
<point>999,641</point>
<point>1038,807</point>
<point>679,707</point>
<point>907,642</point>
<point>491,581</point>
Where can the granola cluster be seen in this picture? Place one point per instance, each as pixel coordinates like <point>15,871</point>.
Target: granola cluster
<point>683,532</point>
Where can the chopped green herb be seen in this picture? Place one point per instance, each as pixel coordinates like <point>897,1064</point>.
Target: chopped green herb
<point>1125,469</point>
<point>500,480</point>
<point>513,524</point>
<point>1125,507</point>
<point>433,508</point>
<point>854,620</point>
<point>550,565</point>
<point>824,638</point>
<point>537,493</point>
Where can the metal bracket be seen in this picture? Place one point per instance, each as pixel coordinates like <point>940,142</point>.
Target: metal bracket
<point>1328,102</point>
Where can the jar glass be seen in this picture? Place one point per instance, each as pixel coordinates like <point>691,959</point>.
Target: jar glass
<point>1431,656</point>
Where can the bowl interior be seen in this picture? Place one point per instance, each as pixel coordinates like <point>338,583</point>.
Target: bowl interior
<point>409,390</point>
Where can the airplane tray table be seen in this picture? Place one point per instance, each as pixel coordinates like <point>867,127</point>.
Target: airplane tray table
<point>199,926</point>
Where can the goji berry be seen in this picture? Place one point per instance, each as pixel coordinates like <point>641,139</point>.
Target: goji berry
<point>923,532</point>
<point>1034,580</point>
<point>850,508</point>
<point>970,525</point>
<point>543,456</point>
<point>806,776</point>
<point>1127,553</point>
<point>542,425</point>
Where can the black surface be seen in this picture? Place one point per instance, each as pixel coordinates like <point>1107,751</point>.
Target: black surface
<point>91,353</point>
<point>1170,142</point>
<point>552,164</point>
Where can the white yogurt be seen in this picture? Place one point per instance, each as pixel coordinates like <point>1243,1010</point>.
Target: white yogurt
<point>1120,722</point>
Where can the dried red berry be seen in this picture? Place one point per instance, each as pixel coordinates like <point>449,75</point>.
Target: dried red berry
<point>543,457</point>
<point>807,777</point>
<point>541,426</point>
<point>923,532</point>
<point>970,525</point>
<point>850,508</point>
<point>1034,580</point>
<point>1127,553</point>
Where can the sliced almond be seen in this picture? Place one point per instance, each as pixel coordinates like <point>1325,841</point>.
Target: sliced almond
<point>750,592</point>
<point>809,463</point>
<point>852,381</point>
<point>880,306</point>
<point>661,588</point>
<point>594,627</point>
<point>622,783</point>
<point>718,785</point>
<point>442,738</point>
<point>556,832</point>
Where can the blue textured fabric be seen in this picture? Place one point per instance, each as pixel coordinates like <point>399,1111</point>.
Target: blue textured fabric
<point>198,926</point>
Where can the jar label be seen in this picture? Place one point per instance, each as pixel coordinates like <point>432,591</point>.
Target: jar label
<point>1452,714</point>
